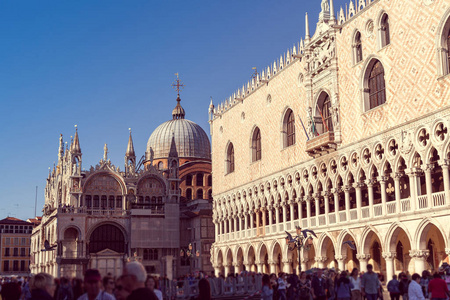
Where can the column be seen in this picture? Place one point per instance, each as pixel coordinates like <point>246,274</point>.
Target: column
<point>291,206</point>
<point>413,188</point>
<point>216,270</point>
<point>369,184</point>
<point>270,216</point>
<point>420,259</point>
<point>316,201</point>
<point>277,214</point>
<point>363,258</point>
<point>341,262</point>
<point>258,222</point>
<point>230,227</point>
<point>321,261</point>
<point>220,227</point>
<point>428,168</point>
<point>251,219</point>
<point>245,220</point>
<point>308,211</point>
<point>272,267</point>
<point>444,166</point>
<point>336,204</point>
<point>227,269</point>
<point>300,213</point>
<point>327,206</point>
<point>287,266</point>
<point>304,264</point>
<point>284,214</point>
<point>260,268</point>
<point>347,202</point>
<point>389,258</point>
<point>234,224</point>
<point>216,228</point>
<point>169,267</point>
<point>397,178</point>
<point>382,180</point>
<point>357,187</point>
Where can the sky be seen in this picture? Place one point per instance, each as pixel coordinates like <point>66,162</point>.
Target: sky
<point>107,66</point>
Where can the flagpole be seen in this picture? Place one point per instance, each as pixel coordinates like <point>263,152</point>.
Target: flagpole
<point>323,120</point>
<point>303,127</point>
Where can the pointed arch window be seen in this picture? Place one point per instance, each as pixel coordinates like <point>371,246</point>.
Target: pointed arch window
<point>357,48</point>
<point>230,159</point>
<point>323,120</point>
<point>256,145</point>
<point>289,129</point>
<point>443,47</point>
<point>377,91</point>
<point>448,51</point>
<point>384,29</point>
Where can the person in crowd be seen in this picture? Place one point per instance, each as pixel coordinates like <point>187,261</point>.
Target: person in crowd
<point>370,285</point>
<point>437,288</point>
<point>108,284</point>
<point>152,284</point>
<point>92,284</point>
<point>266,291</point>
<point>381,291</point>
<point>282,284</point>
<point>137,283</point>
<point>292,292</point>
<point>26,290</point>
<point>11,290</point>
<point>204,290</point>
<point>77,288</point>
<point>318,286</point>
<point>343,287</point>
<point>304,287</point>
<point>356,283</point>
<point>414,288</point>
<point>393,288</point>
<point>119,290</point>
<point>65,290</point>
<point>42,287</point>
<point>274,285</point>
<point>331,282</point>
<point>403,286</point>
<point>424,283</point>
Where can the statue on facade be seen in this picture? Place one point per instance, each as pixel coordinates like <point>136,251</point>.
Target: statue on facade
<point>334,112</point>
<point>325,6</point>
<point>105,153</point>
<point>309,123</point>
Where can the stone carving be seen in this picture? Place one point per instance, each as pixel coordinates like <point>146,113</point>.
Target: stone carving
<point>325,6</point>
<point>321,56</point>
<point>406,143</point>
<point>334,111</point>
<point>309,123</point>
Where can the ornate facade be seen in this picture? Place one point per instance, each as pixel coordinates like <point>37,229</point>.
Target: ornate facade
<point>102,217</point>
<point>346,134</point>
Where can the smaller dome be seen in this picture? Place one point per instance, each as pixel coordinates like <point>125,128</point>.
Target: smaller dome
<point>178,112</point>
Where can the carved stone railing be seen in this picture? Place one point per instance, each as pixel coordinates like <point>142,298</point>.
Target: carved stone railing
<point>321,144</point>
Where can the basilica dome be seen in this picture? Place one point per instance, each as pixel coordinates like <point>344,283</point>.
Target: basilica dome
<point>190,139</point>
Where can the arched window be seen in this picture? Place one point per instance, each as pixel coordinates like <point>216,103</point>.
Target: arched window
<point>96,201</point>
<point>111,202</point>
<point>256,145</point>
<point>199,180</point>
<point>230,159</point>
<point>443,45</point>
<point>160,165</point>
<point>88,201</point>
<point>199,194</point>
<point>119,201</point>
<point>188,194</point>
<point>107,237</point>
<point>289,129</point>
<point>188,179</point>
<point>377,91</point>
<point>357,48</point>
<point>384,30</point>
<point>324,122</point>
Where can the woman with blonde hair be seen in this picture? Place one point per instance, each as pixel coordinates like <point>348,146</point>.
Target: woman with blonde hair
<point>42,287</point>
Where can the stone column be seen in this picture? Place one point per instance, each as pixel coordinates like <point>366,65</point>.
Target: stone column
<point>326,195</point>
<point>336,204</point>
<point>284,214</point>
<point>216,270</point>
<point>317,208</point>
<point>277,214</point>
<point>308,211</point>
<point>227,269</point>
<point>270,216</point>
<point>260,268</point>
<point>428,168</point>
<point>272,267</point>
<point>347,202</point>
<point>245,220</point>
<point>369,184</point>
<point>341,262</point>
<point>363,258</point>
<point>304,263</point>
<point>321,261</point>
<point>291,206</point>
<point>445,167</point>
<point>389,258</point>
<point>300,213</point>
<point>397,178</point>
<point>420,259</point>
<point>287,266</point>
<point>357,187</point>
<point>234,224</point>
<point>251,219</point>
<point>382,180</point>
<point>413,188</point>
<point>220,227</point>
<point>169,267</point>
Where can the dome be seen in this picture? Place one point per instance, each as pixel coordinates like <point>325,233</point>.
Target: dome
<point>190,139</point>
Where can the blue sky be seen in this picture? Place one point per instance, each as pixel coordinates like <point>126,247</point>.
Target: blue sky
<point>109,65</point>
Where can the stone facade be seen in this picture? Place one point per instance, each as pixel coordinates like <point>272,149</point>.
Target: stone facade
<point>369,157</point>
<point>103,217</point>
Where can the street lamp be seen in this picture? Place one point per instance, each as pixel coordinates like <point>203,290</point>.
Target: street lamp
<point>303,239</point>
<point>189,254</point>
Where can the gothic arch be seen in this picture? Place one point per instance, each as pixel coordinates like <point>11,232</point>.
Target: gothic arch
<point>422,229</point>
<point>80,235</point>
<point>443,28</point>
<point>118,225</point>
<point>340,240</point>
<point>364,79</point>
<point>108,173</point>
<point>392,232</point>
<point>320,243</point>
<point>366,237</point>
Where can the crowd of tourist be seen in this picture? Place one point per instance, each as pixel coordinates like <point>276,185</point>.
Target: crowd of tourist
<point>315,284</point>
<point>133,284</point>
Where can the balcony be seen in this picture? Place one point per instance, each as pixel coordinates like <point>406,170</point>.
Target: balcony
<point>322,144</point>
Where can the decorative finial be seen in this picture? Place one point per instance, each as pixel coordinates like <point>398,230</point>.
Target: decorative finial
<point>177,85</point>
<point>129,129</point>
<point>105,154</point>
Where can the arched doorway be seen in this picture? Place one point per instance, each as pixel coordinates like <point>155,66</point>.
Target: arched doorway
<point>372,246</point>
<point>107,248</point>
<point>220,263</point>
<point>349,255</point>
<point>70,251</point>
<point>277,259</point>
<point>240,260</point>
<point>229,268</point>
<point>432,242</point>
<point>251,261</point>
<point>327,251</point>
<point>400,245</point>
<point>264,259</point>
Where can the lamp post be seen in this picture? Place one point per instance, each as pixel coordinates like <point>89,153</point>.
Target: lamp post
<point>303,239</point>
<point>189,254</point>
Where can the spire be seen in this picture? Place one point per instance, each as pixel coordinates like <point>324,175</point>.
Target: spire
<point>307,37</point>
<point>130,147</point>
<point>105,153</point>
<point>178,112</point>
<point>75,147</point>
<point>61,146</point>
<point>332,18</point>
<point>173,147</point>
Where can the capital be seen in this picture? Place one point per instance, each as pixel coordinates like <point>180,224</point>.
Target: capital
<point>447,251</point>
<point>320,259</point>
<point>363,256</point>
<point>341,257</point>
<point>305,260</point>
<point>389,255</point>
<point>419,253</point>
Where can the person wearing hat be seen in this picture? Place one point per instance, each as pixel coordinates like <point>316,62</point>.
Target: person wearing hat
<point>92,284</point>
